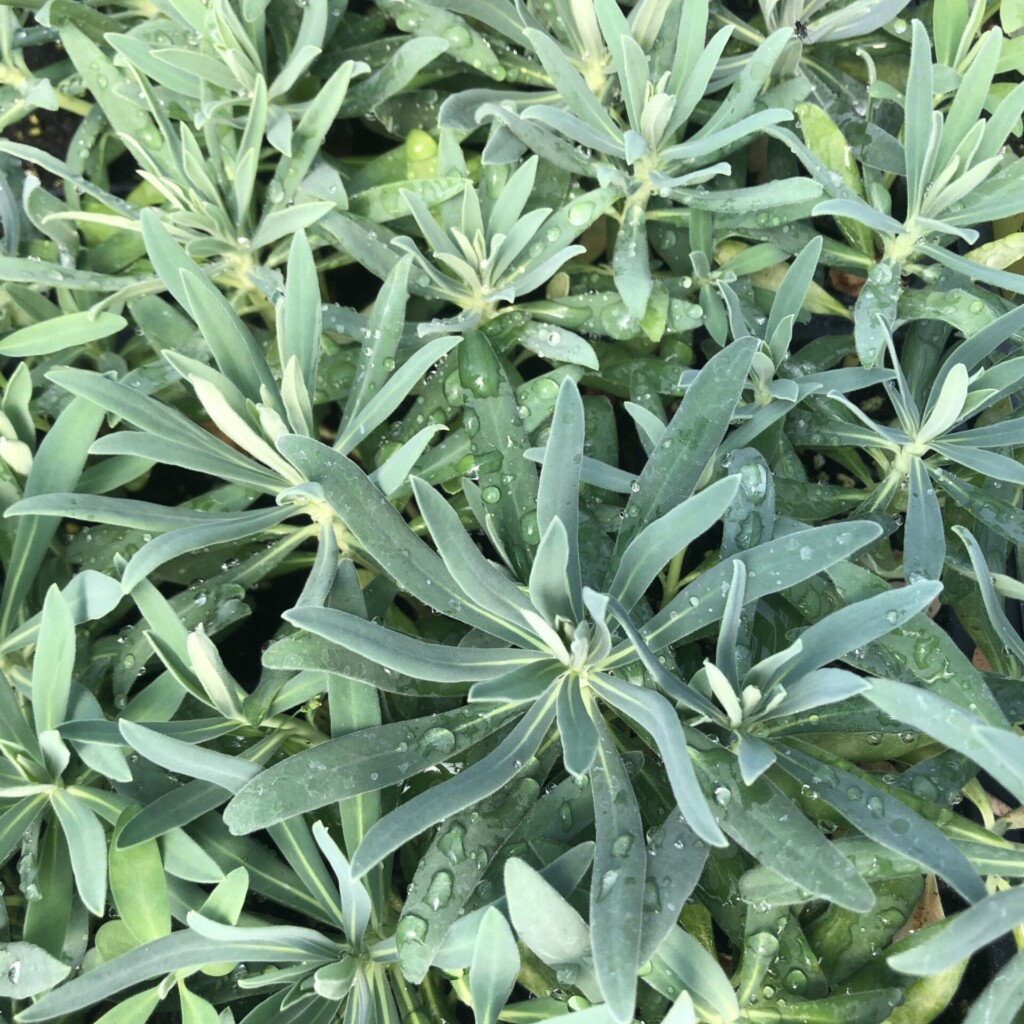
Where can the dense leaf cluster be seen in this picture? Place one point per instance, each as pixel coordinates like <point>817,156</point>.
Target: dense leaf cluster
<point>494,494</point>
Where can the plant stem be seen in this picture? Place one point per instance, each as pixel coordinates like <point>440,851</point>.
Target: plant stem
<point>16,77</point>
<point>671,584</point>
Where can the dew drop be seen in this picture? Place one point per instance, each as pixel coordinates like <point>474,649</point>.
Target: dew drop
<point>411,929</point>
<point>622,845</point>
<point>451,843</point>
<point>436,742</point>
<point>795,981</point>
<point>608,880</point>
<point>439,892</point>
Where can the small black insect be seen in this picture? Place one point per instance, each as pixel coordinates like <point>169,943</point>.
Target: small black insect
<point>800,31</point>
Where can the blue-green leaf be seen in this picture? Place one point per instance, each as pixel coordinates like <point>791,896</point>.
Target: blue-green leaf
<point>998,750</point>
<point>402,653</point>
<point>53,662</point>
<point>470,786</point>
<point>576,729</point>
<point>963,935</point>
<point>558,488</point>
<point>617,886</point>
<point>183,950</point>
<point>764,822</point>
<point>88,847</point>
<point>60,333</point>
<point>495,966</point>
<point>359,762</point>
<point>652,549</point>
<point>383,533</point>
<point>690,440</point>
<point>27,970</point>
<point>885,819</point>
<point>656,716</point>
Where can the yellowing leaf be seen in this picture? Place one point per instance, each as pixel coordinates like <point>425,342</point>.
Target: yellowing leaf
<point>829,145</point>
<point>139,886</point>
<point>927,997</point>
<point>817,299</point>
<point>1002,253</point>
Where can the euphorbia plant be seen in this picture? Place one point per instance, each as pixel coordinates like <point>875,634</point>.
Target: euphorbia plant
<point>471,542</point>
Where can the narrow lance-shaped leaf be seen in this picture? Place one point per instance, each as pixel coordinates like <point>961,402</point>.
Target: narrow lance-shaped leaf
<point>394,473</point>
<point>988,463</point>
<point>638,648</point>
<point>726,650</point>
<point>300,329</point>
<point>452,868</point>
<point>764,822</point>
<point>651,550</point>
<point>559,936</point>
<point>472,785</point>
<point>139,886</point>
<point>558,487</point>
<point>171,545</point>
<point>91,508</point>
<point>993,604</point>
<point>53,663</point>
<point>164,423</point>
<point>57,465</point>
<point>495,966</point>
<point>220,687</point>
<point>854,626</point>
<point>183,950</point>
<point>550,584</point>
<point>924,543</point>
<point>918,115</point>
<point>771,567</point>
<point>26,970</point>
<point>383,534</point>
<point>690,440</point>
<point>88,847</point>
<point>617,887</point>
<point>360,762</point>
<point>655,715</point>
<point>789,298</point>
<point>671,879</point>
<point>816,689</point>
<point>1002,998</point>
<point>875,312</point>
<point>223,770</point>
<point>965,934</point>
<point>998,750</point>
<point>402,66</point>
<point>885,819</point>
<point>682,964</point>
<point>576,729</point>
<point>402,653</point>
<point>15,820</point>
<point>233,347</point>
<point>310,132</point>
<point>383,334</point>
<point>482,581</point>
<point>60,333</point>
<point>754,757</point>
<point>394,390</point>
<point>181,806</point>
<point>498,439</point>
<point>355,901</point>
<point>631,261</point>
<point>295,841</point>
